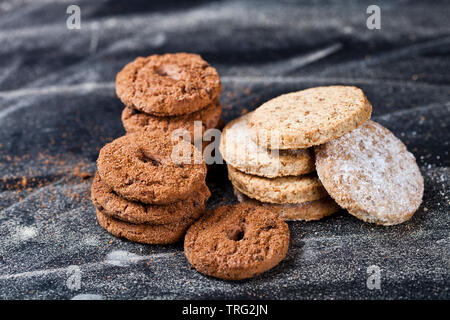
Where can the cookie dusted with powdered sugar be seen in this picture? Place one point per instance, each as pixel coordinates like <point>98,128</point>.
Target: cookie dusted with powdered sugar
<point>370,173</point>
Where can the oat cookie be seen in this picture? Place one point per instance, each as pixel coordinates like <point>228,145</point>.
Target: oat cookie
<point>309,117</point>
<point>292,189</point>
<point>370,173</point>
<point>307,211</point>
<point>209,116</point>
<point>144,233</point>
<point>237,242</point>
<point>168,85</point>
<point>141,167</point>
<point>107,201</point>
<point>240,151</point>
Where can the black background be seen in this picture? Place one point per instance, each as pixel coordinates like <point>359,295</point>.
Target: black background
<point>58,107</point>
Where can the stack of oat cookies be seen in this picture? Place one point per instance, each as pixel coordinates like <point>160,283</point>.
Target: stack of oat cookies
<point>283,181</point>
<point>150,186</point>
<point>274,152</point>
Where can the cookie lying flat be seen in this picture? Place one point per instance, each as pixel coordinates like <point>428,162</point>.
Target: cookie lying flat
<point>236,242</point>
<point>144,233</point>
<point>241,152</point>
<point>307,211</point>
<point>370,173</point>
<point>290,189</point>
<point>139,167</point>
<point>209,116</point>
<point>107,201</point>
<point>168,85</point>
<point>309,117</point>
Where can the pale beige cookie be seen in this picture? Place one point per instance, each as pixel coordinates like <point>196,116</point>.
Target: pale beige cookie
<point>370,173</point>
<point>307,211</point>
<point>309,117</point>
<point>240,151</point>
<point>292,189</point>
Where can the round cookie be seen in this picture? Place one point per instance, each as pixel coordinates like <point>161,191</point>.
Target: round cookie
<point>370,173</point>
<point>241,152</point>
<point>107,201</point>
<point>144,233</point>
<point>292,189</point>
<point>309,117</point>
<point>307,211</point>
<point>236,242</point>
<point>168,85</point>
<point>144,166</point>
<point>209,116</point>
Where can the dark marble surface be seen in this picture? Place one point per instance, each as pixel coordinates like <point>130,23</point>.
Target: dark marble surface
<point>58,107</point>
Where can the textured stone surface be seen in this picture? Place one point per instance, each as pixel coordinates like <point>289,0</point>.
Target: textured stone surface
<point>58,107</point>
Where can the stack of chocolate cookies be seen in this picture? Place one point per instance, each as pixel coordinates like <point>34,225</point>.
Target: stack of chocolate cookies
<point>169,92</point>
<point>145,194</point>
<point>307,153</point>
<point>150,186</point>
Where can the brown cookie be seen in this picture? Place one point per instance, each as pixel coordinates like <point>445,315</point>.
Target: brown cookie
<point>106,200</point>
<point>152,168</point>
<point>144,233</point>
<point>168,85</point>
<point>209,116</point>
<point>306,211</point>
<point>370,173</point>
<point>235,242</point>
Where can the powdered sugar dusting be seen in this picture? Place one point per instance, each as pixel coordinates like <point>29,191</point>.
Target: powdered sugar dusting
<point>369,172</point>
<point>122,258</point>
